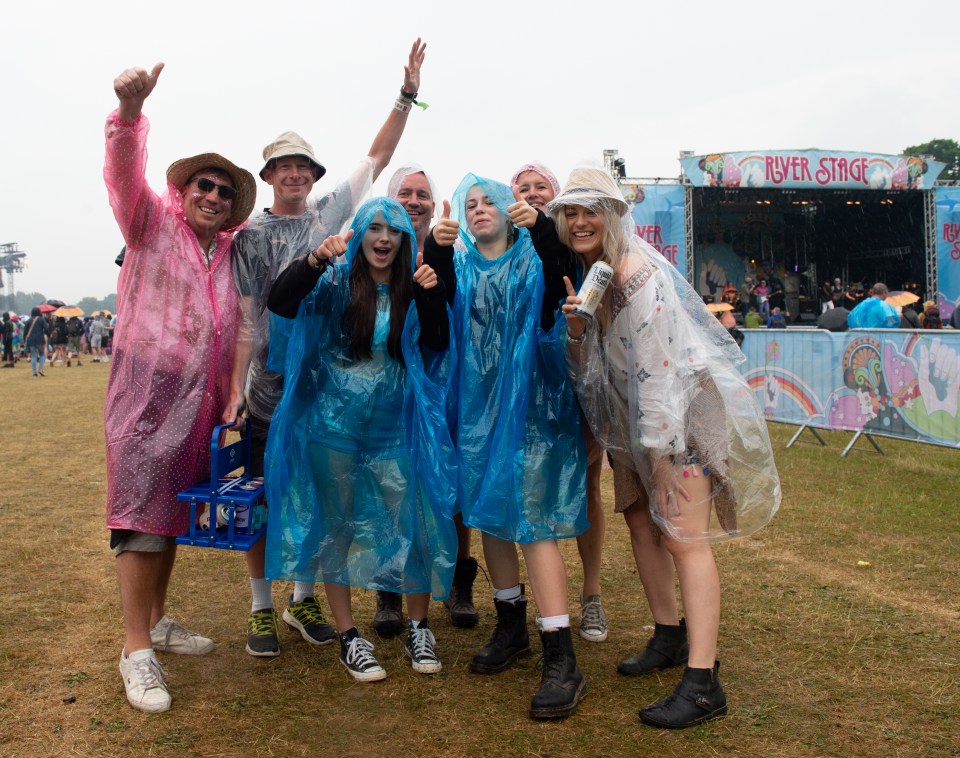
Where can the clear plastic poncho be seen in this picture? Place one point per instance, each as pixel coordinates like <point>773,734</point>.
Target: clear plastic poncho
<point>520,451</point>
<point>360,467</point>
<point>172,350</point>
<point>662,386</point>
<point>265,248</point>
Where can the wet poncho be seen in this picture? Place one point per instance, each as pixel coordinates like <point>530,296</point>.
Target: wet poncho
<point>172,350</point>
<point>519,447</point>
<point>265,248</point>
<point>662,385</point>
<point>873,313</point>
<point>360,466</point>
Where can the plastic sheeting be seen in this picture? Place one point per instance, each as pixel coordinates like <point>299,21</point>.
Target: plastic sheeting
<point>661,387</point>
<point>520,450</point>
<point>264,249</point>
<point>172,351</point>
<point>360,467</point>
<point>873,313</point>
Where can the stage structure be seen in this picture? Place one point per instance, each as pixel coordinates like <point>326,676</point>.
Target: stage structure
<point>800,217</point>
<point>12,260</point>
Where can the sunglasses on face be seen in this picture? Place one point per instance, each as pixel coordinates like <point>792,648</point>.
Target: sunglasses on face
<point>206,186</point>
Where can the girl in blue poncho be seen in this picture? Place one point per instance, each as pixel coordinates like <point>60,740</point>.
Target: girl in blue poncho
<point>360,468</point>
<point>520,452</point>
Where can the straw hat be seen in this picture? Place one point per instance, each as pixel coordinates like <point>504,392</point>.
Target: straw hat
<point>179,173</point>
<point>287,144</point>
<point>590,186</point>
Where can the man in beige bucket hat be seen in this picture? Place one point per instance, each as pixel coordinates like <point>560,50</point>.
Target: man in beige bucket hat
<point>169,378</point>
<point>293,226</point>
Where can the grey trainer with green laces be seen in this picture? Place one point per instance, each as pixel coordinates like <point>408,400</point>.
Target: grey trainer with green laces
<point>263,640</point>
<point>306,617</point>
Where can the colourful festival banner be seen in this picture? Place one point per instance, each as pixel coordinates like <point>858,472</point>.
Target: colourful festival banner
<point>811,169</point>
<point>890,382</point>
<point>948,250</point>
<point>657,211</point>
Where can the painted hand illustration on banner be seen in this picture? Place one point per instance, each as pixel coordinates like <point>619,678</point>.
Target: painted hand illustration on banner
<point>938,375</point>
<point>712,279</point>
<point>771,395</point>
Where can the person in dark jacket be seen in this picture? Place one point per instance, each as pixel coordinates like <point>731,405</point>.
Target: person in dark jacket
<point>37,336</point>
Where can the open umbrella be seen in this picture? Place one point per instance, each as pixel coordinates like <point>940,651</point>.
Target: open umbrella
<point>834,320</point>
<point>68,311</point>
<point>901,298</point>
<point>98,314</point>
<point>719,307</point>
<point>55,303</point>
<point>46,308</point>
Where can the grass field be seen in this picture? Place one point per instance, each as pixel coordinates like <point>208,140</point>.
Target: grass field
<point>821,655</point>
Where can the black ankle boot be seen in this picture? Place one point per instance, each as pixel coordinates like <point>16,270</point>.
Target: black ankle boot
<point>561,684</point>
<point>699,697</point>
<point>509,641</point>
<point>460,601</point>
<point>667,648</point>
<point>388,620</point>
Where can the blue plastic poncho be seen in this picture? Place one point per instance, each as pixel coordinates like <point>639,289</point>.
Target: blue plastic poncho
<point>873,313</point>
<point>520,451</point>
<point>360,467</point>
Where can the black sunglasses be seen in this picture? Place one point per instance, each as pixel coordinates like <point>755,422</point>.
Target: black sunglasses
<point>206,185</point>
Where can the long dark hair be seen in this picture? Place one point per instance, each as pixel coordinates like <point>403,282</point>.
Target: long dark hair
<point>359,319</point>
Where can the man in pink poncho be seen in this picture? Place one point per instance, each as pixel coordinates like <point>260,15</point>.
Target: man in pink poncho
<point>169,380</point>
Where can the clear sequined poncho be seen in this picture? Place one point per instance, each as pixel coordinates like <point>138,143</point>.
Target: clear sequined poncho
<point>172,348</point>
<point>360,466</point>
<point>662,384</point>
<point>266,247</point>
<point>519,446</point>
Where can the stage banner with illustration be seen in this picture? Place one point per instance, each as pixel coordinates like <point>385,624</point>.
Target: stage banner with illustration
<point>811,169</point>
<point>895,383</point>
<point>657,211</point>
<point>948,250</point>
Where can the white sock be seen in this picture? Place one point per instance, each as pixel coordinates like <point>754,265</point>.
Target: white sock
<point>415,624</point>
<point>302,590</point>
<point>262,598</point>
<point>140,654</point>
<point>509,595</point>
<point>553,623</point>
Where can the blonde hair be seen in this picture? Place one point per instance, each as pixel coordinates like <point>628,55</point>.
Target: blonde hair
<point>614,245</point>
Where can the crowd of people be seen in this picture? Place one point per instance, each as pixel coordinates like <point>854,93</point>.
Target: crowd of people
<point>47,340</point>
<point>411,370</point>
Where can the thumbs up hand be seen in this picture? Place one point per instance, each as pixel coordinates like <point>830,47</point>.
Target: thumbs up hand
<point>132,87</point>
<point>521,212</point>
<point>446,231</point>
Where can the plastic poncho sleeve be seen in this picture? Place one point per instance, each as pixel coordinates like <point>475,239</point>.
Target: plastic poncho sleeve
<point>136,207</point>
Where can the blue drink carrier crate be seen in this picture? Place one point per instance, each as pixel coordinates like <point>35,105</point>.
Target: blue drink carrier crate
<point>226,512</point>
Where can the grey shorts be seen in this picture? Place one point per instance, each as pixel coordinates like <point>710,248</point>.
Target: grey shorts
<point>127,540</point>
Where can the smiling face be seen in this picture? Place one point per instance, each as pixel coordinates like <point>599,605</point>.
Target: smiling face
<point>292,178</point>
<point>486,223</point>
<point>380,247</point>
<point>586,231</point>
<point>535,189</point>
<point>206,212</point>
<point>416,198</point>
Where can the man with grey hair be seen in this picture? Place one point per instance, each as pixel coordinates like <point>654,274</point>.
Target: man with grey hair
<point>292,227</point>
<point>874,312</point>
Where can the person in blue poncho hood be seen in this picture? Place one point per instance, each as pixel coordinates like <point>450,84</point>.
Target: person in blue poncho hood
<point>360,467</point>
<point>874,312</point>
<point>520,455</point>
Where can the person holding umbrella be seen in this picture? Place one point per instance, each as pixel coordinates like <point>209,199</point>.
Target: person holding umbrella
<point>173,352</point>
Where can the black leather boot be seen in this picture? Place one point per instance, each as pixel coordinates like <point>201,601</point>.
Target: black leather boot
<point>699,697</point>
<point>460,601</point>
<point>510,639</point>
<point>667,648</point>
<point>561,685</point>
<point>388,621</point>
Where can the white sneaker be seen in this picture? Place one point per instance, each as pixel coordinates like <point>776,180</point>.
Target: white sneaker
<point>593,619</point>
<point>356,654</point>
<point>169,637</point>
<point>143,679</point>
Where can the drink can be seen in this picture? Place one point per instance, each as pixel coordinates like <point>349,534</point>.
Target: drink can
<point>594,285</point>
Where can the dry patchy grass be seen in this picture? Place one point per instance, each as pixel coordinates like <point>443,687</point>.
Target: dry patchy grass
<point>820,656</point>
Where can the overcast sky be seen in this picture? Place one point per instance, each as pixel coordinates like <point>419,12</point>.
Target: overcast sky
<point>505,85</point>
